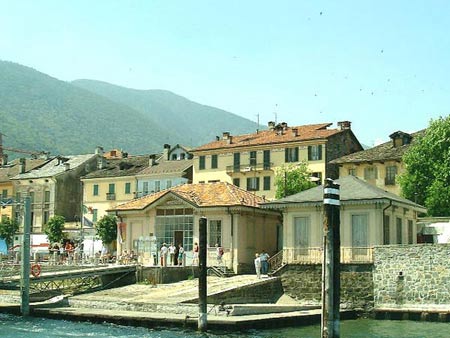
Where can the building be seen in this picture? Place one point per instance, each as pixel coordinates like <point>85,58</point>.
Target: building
<point>379,165</point>
<point>369,216</point>
<point>113,182</point>
<point>54,188</point>
<point>173,167</point>
<point>7,188</point>
<point>234,221</point>
<point>251,161</point>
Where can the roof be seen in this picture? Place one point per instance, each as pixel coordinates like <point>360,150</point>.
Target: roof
<point>12,169</point>
<point>304,133</point>
<point>220,194</point>
<point>383,152</point>
<point>55,166</point>
<point>164,166</point>
<point>352,189</point>
<point>117,167</point>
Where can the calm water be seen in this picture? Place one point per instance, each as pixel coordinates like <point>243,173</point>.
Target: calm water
<point>12,326</point>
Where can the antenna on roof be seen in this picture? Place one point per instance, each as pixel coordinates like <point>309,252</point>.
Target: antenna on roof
<point>275,113</point>
<point>257,123</point>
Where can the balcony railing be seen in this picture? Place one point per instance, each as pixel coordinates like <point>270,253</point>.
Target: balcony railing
<point>309,255</point>
<point>110,196</point>
<point>246,168</point>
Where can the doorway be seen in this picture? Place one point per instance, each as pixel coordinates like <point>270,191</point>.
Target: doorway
<point>177,239</point>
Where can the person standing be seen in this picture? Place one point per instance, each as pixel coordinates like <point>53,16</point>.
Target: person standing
<point>264,256</point>
<point>163,253</point>
<point>171,253</point>
<point>219,253</point>
<point>180,255</point>
<point>195,254</point>
<point>258,265</point>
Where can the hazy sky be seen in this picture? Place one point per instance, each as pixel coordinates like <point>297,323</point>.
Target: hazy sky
<point>383,65</point>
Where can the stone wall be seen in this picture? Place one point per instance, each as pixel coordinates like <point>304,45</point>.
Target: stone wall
<point>303,283</point>
<point>416,275</point>
<point>165,275</point>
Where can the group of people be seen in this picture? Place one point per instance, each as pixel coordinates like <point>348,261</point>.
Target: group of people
<point>175,254</point>
<point>261,263</point>
<point>128,257</point>
<point>65,253</point>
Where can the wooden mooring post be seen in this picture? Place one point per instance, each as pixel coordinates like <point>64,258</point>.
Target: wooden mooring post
<point>202,286</point>
<point>331,261</point>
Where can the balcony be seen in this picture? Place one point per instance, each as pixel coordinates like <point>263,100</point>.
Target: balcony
<point>245,168</point>
<point>110,196</point>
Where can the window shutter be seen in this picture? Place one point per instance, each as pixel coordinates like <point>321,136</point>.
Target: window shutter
<point>286,154</point>
<point>296,154</point>
<point>319,157</point>
<point>248,183</point>
<point>309,153</point>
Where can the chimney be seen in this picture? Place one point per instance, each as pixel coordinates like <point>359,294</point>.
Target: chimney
<point>294,132</point>
<point>66,166</point>
<point>152,160</point>
<point>344,125</point>
<point>284,125</point>
<point>217,138</point>
<point>99,150</point>
<point>166,151</point>
<point>230,139</point>
<point>225,135</point>
<point>271,125</point>
<point>101,162</point>
<point>4,159</point>
<point>21,165</point>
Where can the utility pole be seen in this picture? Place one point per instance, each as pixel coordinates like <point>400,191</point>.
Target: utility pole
<point>202,287</point>
<point>331,261</point>
<point>25,253</point>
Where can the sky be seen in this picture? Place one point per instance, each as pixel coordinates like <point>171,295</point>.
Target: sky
<point>383,65</point>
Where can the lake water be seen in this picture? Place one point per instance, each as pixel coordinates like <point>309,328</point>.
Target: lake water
<point>13,326</point>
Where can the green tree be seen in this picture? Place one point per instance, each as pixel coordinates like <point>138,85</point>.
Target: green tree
<point>8,227</point>
<point>427,176</point>
<point>291,179</point>
<point>106,229</point>
<point>54,229</point>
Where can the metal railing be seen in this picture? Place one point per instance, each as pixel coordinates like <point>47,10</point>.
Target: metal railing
<point>314,255</point>
<point>245,168</point>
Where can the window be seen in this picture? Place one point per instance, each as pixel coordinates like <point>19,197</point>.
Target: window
<point>201,162</point>
<point>32,196</point>
<point>174,157</point>
<point>391,172</point>
<point>386,229</point>
<point>370,173</point>
<point>215,232</point>
<point>253,183</point>
<point>359,231</point>
<point>46,216</point>
<point>302,229</point>
<point>266,159</point>
<point>266,183</point>
<point>95,190</point>
<point>291,154</point>
<point>157,186</point>
<point>94,215</point>
<point>352,171</point>
<point>112,188</point>
<point>213,161</point>
<point>168,184</point>
<point>182,156</point>
<point>47,196</point>
<point>127,188</point>
<point>236,161</point>
<point>315,153</point>
<point>399,230</point>
<point>252,158</point>
<point>145,188</point>
<point>410,232</point>
<point>4,193</point>
<point>237,182</point>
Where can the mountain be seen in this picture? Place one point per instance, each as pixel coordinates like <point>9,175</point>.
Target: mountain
<point>195,124</point>
<point>39,112</point>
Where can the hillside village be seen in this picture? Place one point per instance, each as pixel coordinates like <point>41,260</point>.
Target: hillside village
<point>158,198</point>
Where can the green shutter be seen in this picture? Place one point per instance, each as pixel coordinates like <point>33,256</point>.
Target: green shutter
<point>320,152</point>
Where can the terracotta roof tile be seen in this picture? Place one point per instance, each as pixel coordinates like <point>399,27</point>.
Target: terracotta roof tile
<point>201,195</point>
<point>304,133</point>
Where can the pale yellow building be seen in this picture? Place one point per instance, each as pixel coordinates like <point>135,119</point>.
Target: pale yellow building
<point>369,216</point>
<point>379,165</point>
<point>234,221</point>
<point>250,161</point>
